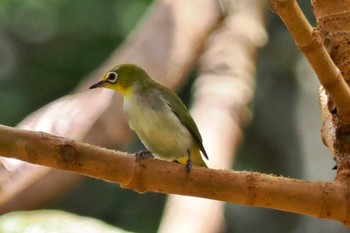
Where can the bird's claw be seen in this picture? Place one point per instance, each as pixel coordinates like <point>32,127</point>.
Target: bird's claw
<point>142,154</point>
<point>188,166</point>
<point>188,162</point>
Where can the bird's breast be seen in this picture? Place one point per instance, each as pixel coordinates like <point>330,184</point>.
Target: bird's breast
<point>157,126</point>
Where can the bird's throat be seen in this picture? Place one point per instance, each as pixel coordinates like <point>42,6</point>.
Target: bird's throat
<point>125,91</point>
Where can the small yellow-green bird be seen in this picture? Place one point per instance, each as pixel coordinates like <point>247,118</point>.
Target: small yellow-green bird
<point>157,115</point>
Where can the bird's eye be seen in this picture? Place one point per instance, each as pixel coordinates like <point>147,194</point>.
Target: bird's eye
<point>112,77</point>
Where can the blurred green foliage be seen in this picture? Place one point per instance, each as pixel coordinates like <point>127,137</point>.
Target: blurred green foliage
<point>46,47</point>
<point>52,221</point>
<point>117,206</point>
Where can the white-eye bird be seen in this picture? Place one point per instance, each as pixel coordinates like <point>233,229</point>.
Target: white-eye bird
<point>157,115</point>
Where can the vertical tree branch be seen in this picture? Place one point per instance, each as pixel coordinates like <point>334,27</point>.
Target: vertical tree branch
<point>332,20</point>
<point>311,44</point>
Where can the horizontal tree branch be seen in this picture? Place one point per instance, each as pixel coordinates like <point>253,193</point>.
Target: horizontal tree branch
<point>318,199</point>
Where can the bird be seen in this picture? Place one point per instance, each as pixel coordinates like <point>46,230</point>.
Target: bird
<point>157,115</point>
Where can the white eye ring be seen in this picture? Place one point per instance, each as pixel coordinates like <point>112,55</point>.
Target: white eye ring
<point>112,77</point>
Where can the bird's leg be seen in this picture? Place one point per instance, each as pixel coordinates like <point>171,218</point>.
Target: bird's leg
<point>142,154</point>
<point>189,162</point>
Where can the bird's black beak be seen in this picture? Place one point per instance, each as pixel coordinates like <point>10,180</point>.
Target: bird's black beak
<point>98,84</point>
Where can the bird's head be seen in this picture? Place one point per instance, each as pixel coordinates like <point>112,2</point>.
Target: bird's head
<point>123,78</point>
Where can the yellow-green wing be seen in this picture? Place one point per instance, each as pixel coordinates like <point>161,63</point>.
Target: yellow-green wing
<point>180,110</point>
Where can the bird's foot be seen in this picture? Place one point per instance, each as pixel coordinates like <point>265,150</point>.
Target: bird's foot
<point>188,166</point>
<point>142,154</point>
<point>188,162</point>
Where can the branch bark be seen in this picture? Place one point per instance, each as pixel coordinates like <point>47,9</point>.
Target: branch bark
<point>310,43</point>
<point>318,199</point>
<point>332,20</point>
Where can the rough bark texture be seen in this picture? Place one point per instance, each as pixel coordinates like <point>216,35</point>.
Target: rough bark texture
<point>333,24</point>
